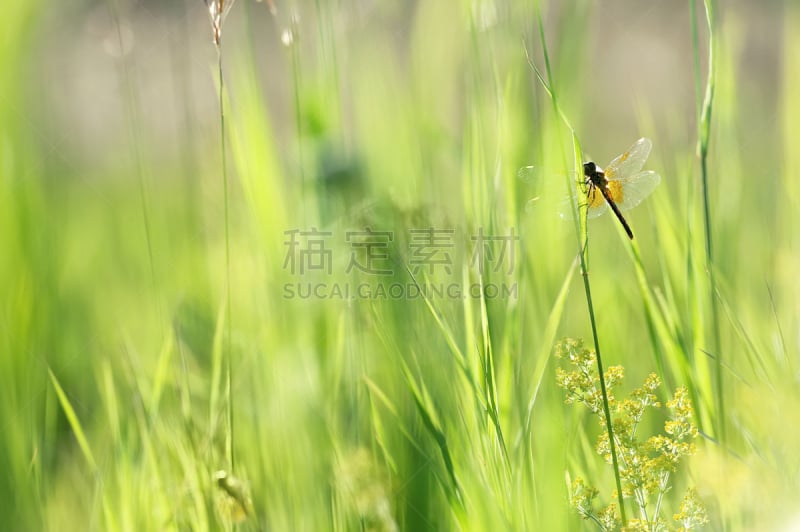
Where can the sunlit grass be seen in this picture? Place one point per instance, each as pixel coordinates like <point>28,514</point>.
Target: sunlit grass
<point>427,413</point>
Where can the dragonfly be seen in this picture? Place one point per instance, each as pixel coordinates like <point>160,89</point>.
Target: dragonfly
<point>620,186</point>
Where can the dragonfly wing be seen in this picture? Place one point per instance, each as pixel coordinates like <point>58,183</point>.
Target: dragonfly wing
<point>548,185</point>
<point>564,208</point>
<point>629,162</point>
<point>597,210</point>
<point>637,187</point>
<point>566,211</point>
<point>529,174</point>
<point>533,205</point>
<point>541,174</point>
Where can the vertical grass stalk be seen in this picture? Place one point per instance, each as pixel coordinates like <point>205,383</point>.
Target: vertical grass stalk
<point>290,39</point>
<point>582,234</point>
<point>132,107</point>
<point>704,133</point>
<point>226,201</point>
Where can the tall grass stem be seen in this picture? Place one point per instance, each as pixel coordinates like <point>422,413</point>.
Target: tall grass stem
<point>704,134</point>
<point>583,247</point>
<point>226,200</point>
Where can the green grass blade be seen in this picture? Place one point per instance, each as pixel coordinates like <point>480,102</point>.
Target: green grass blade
<point>74,422</point>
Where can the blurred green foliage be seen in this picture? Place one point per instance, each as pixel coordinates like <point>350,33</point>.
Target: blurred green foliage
<point>369,413</point>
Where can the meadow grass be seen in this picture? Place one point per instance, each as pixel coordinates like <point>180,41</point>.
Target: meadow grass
<point>151,326</point>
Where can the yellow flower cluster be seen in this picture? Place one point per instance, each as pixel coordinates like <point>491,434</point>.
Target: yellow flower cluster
<point>645,466</point>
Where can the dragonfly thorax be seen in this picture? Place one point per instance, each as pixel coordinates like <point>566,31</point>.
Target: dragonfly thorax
<point>594,174</point>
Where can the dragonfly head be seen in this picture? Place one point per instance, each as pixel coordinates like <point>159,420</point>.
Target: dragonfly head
<point>589,168</point>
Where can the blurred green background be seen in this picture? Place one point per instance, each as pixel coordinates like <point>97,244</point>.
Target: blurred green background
<point>116,338</point>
